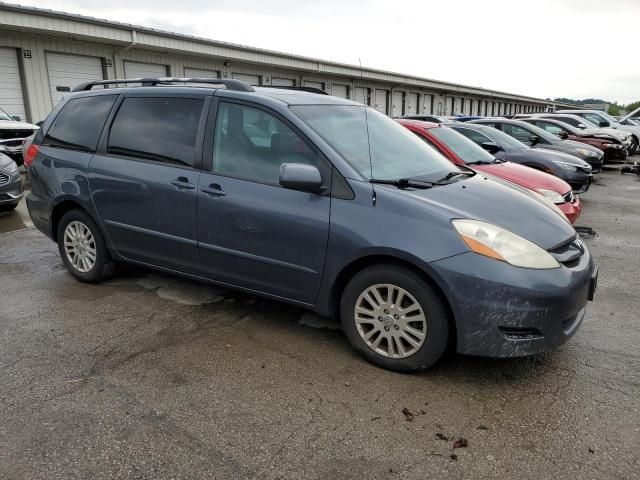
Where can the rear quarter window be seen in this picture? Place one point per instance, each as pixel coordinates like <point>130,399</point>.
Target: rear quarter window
<point>80,122</point>
<point>158,129</point>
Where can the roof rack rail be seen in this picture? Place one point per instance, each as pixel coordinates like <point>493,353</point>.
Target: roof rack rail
<point>301,89</point>
<point>229,84</point>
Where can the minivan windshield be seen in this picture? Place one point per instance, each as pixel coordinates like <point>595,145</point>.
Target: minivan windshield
<point>373,144</point>
<point>467,150</point>
<point>5,116</point>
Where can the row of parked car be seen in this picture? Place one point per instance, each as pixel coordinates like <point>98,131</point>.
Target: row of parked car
<point>553,154</point>
<point>419,237</point>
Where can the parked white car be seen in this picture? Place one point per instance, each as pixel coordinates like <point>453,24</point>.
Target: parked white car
<point>13,132</point>
<point>605,120</point>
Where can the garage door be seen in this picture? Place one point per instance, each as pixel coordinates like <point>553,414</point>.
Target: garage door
<point>457,107</point>
<point>341,91</point>
<point>144,70</point>
<point>250,79</point>
<point>66,71</point>
<point>283,82</point>
<point>318,85</point>
<point>381,101</point>
<point>11,99</point>
<point>427,104</point>
<point>396,104</point>
<point>200,73</point>
<point>411,104</point>
<point>361,95</point>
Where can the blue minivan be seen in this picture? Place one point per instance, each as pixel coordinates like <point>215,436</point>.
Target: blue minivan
<point>309,199</point>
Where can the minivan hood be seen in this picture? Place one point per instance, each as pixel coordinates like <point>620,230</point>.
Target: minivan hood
<point>481,198</point>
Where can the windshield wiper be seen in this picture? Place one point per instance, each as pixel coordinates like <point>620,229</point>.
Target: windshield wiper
<point>451,175</point>
<point>403,183</point>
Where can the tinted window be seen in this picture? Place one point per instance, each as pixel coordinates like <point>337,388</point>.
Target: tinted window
<point>160,129</point>
<point>517,132</point>
<point>251,144</point>
<point>79,125</point>
<point>376,146</point>
<point>477,137</point>
<point>467,150</point>
<point>550,127</point>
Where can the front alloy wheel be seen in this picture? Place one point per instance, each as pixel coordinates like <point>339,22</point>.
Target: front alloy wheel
<point>395,317</point>
<point>390,321</point>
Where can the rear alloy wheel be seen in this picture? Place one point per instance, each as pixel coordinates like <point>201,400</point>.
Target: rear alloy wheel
<point>82,247</point>
<point>395,318</point>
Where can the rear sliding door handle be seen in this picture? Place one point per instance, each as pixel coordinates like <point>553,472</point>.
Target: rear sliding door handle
<point>214,190</point>
<point>182,183</point>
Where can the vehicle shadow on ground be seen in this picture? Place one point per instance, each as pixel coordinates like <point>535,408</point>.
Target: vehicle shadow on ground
<point>299,322</point>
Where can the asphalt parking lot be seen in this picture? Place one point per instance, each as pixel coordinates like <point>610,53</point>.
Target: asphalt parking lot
<point>149,376</point>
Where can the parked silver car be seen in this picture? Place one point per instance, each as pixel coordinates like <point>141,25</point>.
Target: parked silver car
<point>13,132</point>
<point>605,120</point>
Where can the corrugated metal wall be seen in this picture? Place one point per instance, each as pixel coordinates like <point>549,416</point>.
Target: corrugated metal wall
<point>37,86</point>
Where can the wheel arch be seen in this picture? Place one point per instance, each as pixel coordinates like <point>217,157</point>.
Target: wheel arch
<point>363,262</point>
<point>62,207</point>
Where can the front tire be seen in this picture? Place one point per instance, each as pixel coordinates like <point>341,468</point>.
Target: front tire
<point>82,247</point>
<point>394,318</point>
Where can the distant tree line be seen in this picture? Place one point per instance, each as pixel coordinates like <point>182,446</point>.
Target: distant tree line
<point>614,107</point>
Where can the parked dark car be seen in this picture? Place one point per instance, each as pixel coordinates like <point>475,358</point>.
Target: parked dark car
<point>11,189</point>
<point>612,147</point>
<point>310,199</point>
<point>13,131</point>
<point>572,170</point>
<point>536,137</point>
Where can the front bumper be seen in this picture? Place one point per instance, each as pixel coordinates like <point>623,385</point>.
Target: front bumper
<point>505,311</point>
<point>14,152</point>
<point>572,210</point>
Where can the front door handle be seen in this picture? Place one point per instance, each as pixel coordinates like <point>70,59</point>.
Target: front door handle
<point>183,183</point>
<point>213,189</point>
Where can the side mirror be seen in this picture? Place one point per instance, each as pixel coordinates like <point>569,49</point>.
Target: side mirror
<point>603,123</point>
<point>300,176</point>
<point>534,139</point>
<point>491,147</point>
<point>563,135</point>
<point>16,118</point>
<point>581,126</point>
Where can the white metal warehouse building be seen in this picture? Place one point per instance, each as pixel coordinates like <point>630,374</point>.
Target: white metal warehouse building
<point>43,54</point>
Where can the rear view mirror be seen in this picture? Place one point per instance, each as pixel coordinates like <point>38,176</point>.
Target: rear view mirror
<point>491,147</point>
<point>16,117</point>
<point>563,135</point>
<point>300,176</point>
<point>534,139</point>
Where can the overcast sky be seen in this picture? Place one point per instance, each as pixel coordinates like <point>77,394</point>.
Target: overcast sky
<point>542,48</point>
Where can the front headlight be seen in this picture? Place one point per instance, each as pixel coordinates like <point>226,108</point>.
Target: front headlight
<point>566,166</point>
<point>584,151</point>
<point>552,196</point>
<point>11,168</point>
<point>500,244</point>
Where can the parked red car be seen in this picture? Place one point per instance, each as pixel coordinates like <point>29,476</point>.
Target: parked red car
<point>462,151</point>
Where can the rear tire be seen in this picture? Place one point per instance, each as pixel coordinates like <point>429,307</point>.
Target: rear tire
<point>82,247</point>
<point>394,318</point>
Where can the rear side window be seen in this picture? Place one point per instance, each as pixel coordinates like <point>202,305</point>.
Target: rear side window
<point>159,129</point>
<point>79,124</point>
